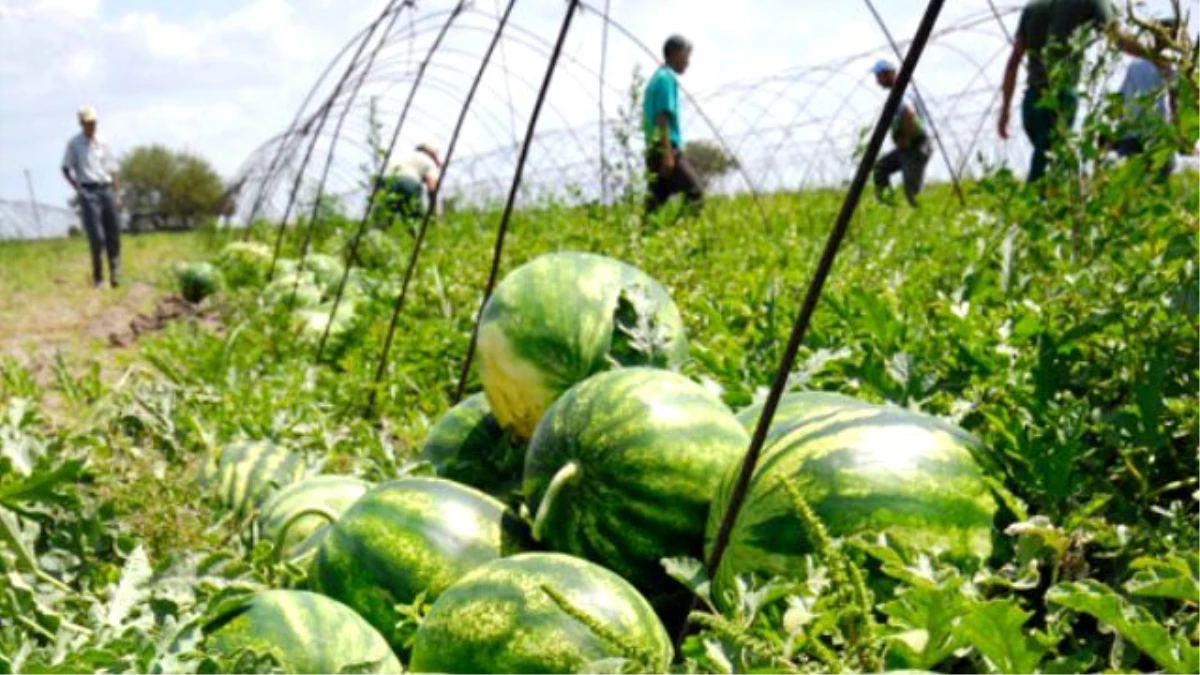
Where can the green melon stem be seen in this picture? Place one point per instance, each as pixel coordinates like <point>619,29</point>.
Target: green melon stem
<point>568,474</point>
<point>322,511</point>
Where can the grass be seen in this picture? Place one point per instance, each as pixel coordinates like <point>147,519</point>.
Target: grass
<point>47,302</point>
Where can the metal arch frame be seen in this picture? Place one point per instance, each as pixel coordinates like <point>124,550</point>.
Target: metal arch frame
<point>321,118</point>
<point>370,201</point>
<point>937,137</point>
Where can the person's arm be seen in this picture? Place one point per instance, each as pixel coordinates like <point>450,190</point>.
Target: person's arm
<point>431,186</point>
<point>664,138</point>
<point>67,162</point>
<point>1010,83</point>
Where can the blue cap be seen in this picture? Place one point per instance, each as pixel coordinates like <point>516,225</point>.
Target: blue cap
<point>882,66</point>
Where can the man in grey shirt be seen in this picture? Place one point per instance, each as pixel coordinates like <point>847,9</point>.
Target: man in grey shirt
<point>90,168</point>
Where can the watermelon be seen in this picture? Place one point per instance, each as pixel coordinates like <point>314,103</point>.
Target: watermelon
<point>244,263</point>
<point>197,280</point>
<point>326,270</point>
<point>862,468</point>
<point>286,290</point>
<point>303,631</point>
<point>405,537</point>
<point>622,468</point>
<point>468,445</point>
<point>562,317</point>
<point>501,619</point>
<point>244,474</point>
<point>312,323</point>
<point>301,509</point>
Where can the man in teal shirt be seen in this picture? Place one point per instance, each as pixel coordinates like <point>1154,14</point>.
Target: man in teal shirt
<point>1045,31</point>
<point>668,171</point>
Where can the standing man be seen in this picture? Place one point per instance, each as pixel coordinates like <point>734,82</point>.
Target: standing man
<point>669,172</point>
<point>1148,97</point>
<point>1045,32</point>
<point>89,167</point>
<point>913,145</point>
<point>409,179</point>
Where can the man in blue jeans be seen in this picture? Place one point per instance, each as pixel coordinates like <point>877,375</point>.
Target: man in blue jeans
<point>669,173</point>
<point>89,167</point>
<point>1045,32</point>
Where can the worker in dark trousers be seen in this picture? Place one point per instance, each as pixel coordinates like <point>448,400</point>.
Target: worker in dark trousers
<point>669,172</point>
<point>1044,32</point>
<point>913,148</point>
<point>90,168</point>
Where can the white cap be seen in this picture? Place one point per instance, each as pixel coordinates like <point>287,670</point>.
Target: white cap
<point>87,114</point>
<point>430,147</point>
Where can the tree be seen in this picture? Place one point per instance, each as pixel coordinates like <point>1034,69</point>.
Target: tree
<point>171,189</point>
<point>709,160</point>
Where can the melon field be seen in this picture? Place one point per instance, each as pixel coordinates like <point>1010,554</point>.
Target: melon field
<point>985,461</point>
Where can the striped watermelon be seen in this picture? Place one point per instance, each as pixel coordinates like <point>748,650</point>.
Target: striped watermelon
<point>299,510</point>
<point>501,619</point>
<point>564,316</point>
<point>861,468</point>
<point>304,632</point>
<point>405,537</point>
<point>245,473</point>
<point>468,445</point>
<point>622,468</point>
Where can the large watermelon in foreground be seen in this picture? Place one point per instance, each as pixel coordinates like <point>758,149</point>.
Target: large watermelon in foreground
<point>304,632</point>
<point>622,468</point>
<point>406,537</point>
<point>861,468</point>
<point>305,507</point>
<point>244,474</point>
<point>468,445</point>
<point>562,317</point>
<point>501,618</point>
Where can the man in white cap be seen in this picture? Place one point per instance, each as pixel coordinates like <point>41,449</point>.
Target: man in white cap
<point>91,169</point>
<point>913,144</point>
<point>408,176</point>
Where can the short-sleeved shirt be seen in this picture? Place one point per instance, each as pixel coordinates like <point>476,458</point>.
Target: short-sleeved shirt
<point>91,161</point>
<point>416,165</point>
<point>1046,26</point>
<point>1144,92</point>
<point>910,100</point>
<point>662,96</point>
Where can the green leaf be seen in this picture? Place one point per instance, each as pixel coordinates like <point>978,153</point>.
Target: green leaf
<point>40,486</point>
<point>1173,577</point>
<point>926,617</point>
<point>691,573</point>
<point>1133,623</point>
<point>996,630</point>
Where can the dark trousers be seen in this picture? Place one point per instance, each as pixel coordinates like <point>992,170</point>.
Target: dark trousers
<point>662,186</point>
<point>404,197</point>
<point>99,211</point>
<point>910,162</point>
<point>1044,126</point>
<point>1134,145</point>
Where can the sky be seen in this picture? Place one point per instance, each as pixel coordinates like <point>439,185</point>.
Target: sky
<point>220,77</point>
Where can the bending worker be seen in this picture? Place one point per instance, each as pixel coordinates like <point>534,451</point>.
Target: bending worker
<point>913,145</point>
<point>409,178</point>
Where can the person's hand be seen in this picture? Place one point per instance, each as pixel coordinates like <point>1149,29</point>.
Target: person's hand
<point>1003,126</point>
<point>120,201</point>
<point>669,162</point>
